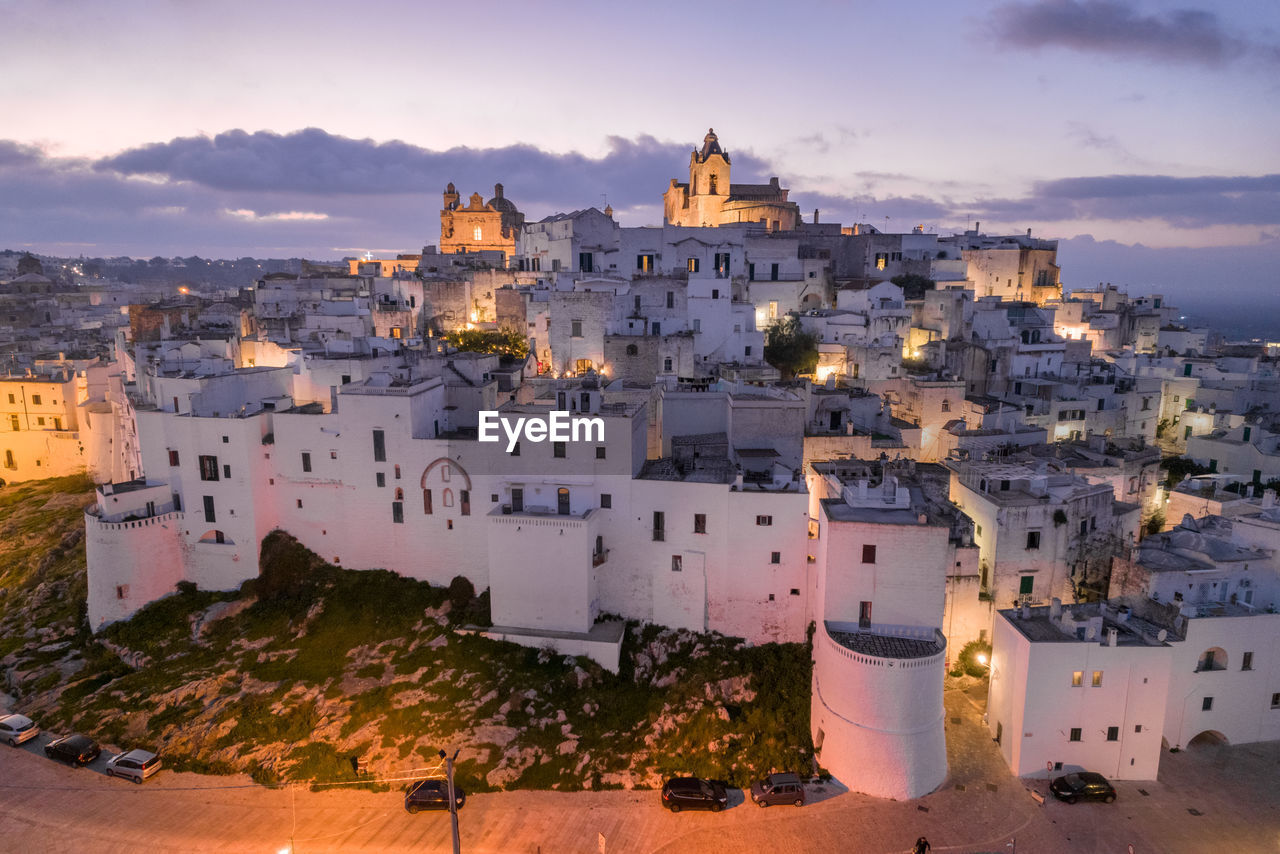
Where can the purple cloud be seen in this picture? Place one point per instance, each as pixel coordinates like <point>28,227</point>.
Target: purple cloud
<point>1111,27</point>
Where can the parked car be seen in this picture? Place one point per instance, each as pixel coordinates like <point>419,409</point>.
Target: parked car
<point>1083,786</point>
<point>16,729</point>
<point>432,795</point>
<point>778,789</point>
<point>136,765</point>
<point>692,793</point>
<point>76,749</point>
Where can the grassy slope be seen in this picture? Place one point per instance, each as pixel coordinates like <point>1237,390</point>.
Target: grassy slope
<point>319,664</point>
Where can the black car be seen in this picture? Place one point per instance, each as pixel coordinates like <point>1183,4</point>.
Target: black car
<point>76,749</point>
<point>692,793</point>
<point>1083,786</point>
<point>432,795</point>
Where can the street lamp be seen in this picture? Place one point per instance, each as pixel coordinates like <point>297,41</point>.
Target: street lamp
<point>453,801</point>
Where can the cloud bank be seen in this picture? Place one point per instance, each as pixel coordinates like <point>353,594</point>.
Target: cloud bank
<point>1113,28</point>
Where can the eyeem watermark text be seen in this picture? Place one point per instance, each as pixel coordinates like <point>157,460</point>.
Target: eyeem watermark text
<point>560,426</point>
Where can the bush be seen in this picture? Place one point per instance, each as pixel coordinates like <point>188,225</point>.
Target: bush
<point>968,659</point>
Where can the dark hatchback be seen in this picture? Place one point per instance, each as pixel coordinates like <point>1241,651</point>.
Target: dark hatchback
<point>432,795</point>
<point>692,793</point>
<point>76,749</point>
<point>1083,786</point>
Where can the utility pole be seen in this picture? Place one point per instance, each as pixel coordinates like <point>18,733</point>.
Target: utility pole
<point>453,801</point>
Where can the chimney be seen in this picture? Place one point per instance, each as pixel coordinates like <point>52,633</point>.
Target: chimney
<point>815,216</point>
<point>1028,232</point>
<point>1113,636</point>
<point>977,226</point>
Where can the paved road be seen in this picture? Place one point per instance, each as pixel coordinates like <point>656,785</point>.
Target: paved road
<point>46,806</point>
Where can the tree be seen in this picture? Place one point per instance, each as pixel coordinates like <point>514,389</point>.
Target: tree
<point>913,285</point>
<point>789,348</point>
<point>503,342</point>
<point>29,263</point>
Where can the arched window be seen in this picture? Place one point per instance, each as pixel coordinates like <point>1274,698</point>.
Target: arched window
<point>712,187</point>
<point>946,406</point>
<point>426,501</point>
<point>397,472</point>
<point>399,494</point>
<point>448,498</point>
<point>1213,658</point>
<point>632,350</point>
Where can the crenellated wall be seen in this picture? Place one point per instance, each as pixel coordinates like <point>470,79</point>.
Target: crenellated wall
<point>145,560</point>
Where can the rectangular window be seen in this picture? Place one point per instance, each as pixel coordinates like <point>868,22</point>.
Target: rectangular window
<point>657,328</point>
<point>208,468</point>
<point>1097,678</point>
<point>659,526</point>
<point>1246,663</point>
<point>575,328</point>
<point>764,521</point>
<point>775,557</point>
<point>1026,584</point>
<point>715,293</point>
<point>1207,704</point>
<point>306,461</point>
<point>397,511</point>
<point>586,262</point>
<point>35,399</point>
<point>699,523</point>
<point>868,554</point>
<point>677,563</point>
<point>1075,733</point>
<point>773,272</point>
<point>606,501</point>
<point>226,471</point>
<point>426,501</point>
<point>1077,678</point>
<point>464,499</point>
<point>644,263</point>
<point>177,503</point>
<point>173,458</point>
<point>666,366</point>
<point>209,515</point>
<point>557,450</point>
<point>1275,701</point>
<point>671,299</point>
<point>379,447</point>
<point>1033,540</point>
<point>864,615</point>
<point>122,591</point>
<point>380,478</point>
<point>1113,733</point>
<point>692,265</point>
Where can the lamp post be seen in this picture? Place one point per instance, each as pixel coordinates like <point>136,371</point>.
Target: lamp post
<point>453,801</point>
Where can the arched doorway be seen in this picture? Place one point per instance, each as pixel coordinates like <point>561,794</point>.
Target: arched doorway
<point>1209,738</point>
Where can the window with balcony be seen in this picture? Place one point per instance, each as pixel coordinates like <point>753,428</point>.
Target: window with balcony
<point>208,467</point>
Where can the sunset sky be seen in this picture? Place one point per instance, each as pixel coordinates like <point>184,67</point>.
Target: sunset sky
<point>1145,135</point>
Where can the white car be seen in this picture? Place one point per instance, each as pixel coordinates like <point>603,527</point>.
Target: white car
<point>136,765</point>
<point>16,729</point>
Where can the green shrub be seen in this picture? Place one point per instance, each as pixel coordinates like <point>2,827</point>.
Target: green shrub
<point>968,659</point>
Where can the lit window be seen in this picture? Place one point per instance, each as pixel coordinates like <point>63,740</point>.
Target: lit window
<point>478,233</point>
<point>1097,678</point>
<point>1077,678</point>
